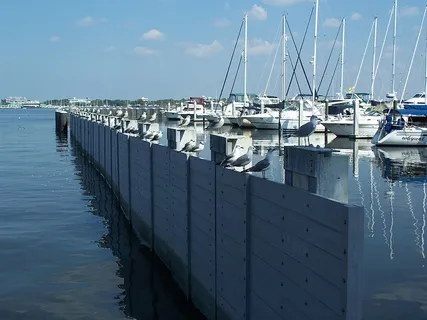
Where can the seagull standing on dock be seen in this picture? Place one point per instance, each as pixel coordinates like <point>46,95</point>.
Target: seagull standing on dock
<point>157,136</point>
<point>262,165</point>
<point>244,159</point>
<point>153,117</point>
<point>232,156</point>
<point>198,148</point>
<point>143,116</point>
<point>217,123</point>
<point>148,135</point>
<point>185,122</point>
<point>306,130</point>
<point>189,145</point>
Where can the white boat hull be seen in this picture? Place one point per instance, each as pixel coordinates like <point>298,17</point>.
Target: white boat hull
<point>262,121</point>
<point>343,128</point>
<point>414,137</point>
<point>173,115</point>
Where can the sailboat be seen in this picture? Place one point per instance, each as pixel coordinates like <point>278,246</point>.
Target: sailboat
<point>342,126</point>
<point>407,126</point>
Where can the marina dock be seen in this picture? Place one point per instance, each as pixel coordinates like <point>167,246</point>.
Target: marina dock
<point>239,246</point>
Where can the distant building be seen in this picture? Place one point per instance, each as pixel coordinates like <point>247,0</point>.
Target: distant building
<point>144,99</point>
<point>74,100</point>
<point>22,102</point>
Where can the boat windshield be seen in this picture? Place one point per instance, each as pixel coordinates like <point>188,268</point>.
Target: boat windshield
<point>419,95</point>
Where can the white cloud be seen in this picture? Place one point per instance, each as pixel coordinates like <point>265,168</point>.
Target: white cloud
<point>257,13</point>
<point>201,50</point>
<point>221,23</point>
<point>153,34</point>
<point>142,51</point>
<point>109,49</point>
<point>89,21</point>
<point>356,16</point>
<point>54,38</point>
<point>409,11</point>
<point>283,2</point>
<point>259,46</point>
<point>332,23</point>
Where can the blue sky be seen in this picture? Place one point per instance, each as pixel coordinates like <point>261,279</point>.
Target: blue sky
<point>178,48</point>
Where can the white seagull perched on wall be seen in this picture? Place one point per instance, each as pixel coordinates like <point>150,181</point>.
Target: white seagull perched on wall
<point>153,117</point>
<point>232,156</point>
<point>306,130</point>
<point>184,122</point>
<point>143,116</point>
<point>244,159</point>
<point>262,165</point>
<point>157,136</point>
<point>148,135</point>
<point>189,145</point>
<point>217,123</point>
<point>199,147</point>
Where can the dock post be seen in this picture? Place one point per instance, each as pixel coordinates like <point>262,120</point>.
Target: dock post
<point>61,121</point>
<point>317,170</point>
<point>356,111</point>
<point>300,113</point>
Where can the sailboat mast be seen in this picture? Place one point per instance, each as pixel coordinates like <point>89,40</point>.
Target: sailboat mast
<point>425,78</point>
<point>374,57</point>
<point>245,58</point>
<point>394,49</point>
<point>284,60</point>
<point>315,51</point>
<point>342,58</point>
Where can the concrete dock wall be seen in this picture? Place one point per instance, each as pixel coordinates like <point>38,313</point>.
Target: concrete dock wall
<point>239,246</point>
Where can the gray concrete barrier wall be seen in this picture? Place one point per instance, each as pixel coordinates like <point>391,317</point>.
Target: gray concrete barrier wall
<point>239,246</point>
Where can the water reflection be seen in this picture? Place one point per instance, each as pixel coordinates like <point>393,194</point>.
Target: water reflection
<point>394,279</point>
<point>147,290</point>
<point>402,168</point>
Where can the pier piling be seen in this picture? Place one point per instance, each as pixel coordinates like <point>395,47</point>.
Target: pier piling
<point>61,121</point>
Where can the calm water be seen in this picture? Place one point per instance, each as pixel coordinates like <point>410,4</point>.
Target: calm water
<point>67,253</point>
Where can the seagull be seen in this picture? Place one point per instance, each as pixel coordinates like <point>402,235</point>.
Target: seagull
<point>143,116</point>
<point>306,130</point>
<point>189,145</point>
<point>262,165</point>
<point>119,113</point>
<point>110,113</point>
<point>198,148</point>
<point>157,136</point>
<point>148,135</point>
<point>244,159</point>
<point>185,122</point>
<point>217,123</point>
<point>232,156</point>
<point>153,117</point>
<point>126,114</point>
